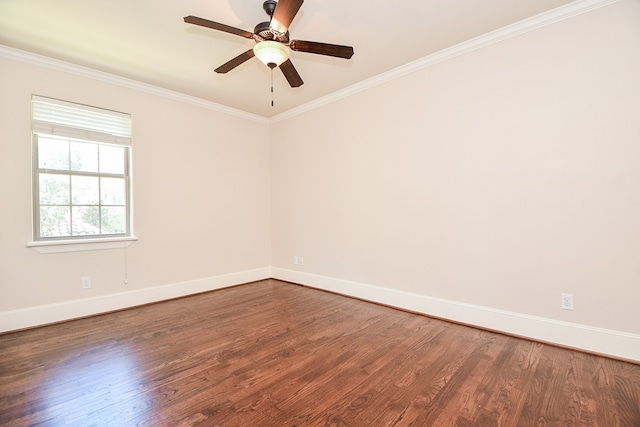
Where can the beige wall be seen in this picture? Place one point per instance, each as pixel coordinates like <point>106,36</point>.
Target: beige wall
<point>201,193</point>
<point>496,180</point>
<point>501,178</point>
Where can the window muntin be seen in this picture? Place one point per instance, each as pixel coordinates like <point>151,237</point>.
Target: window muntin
<point>81,185</point>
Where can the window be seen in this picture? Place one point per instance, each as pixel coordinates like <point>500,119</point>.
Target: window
<point>81,172</point>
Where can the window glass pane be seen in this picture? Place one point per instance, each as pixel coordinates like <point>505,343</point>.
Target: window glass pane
<point>53,153</point>
<point>84,190</point>
<point>86,220</point>
<point>84,156</point>
<point>114,220</point>
<point>112,159</point>
<point>55,221</point>
<point>113,191</point>
<point>54,189</point>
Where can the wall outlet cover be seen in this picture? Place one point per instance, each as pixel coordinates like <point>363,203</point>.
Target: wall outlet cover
<point>566,301</point>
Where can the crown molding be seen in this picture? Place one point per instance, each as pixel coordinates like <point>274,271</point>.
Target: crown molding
<point>521,27</point>
<point>55,64</point>
<point>530,24</point>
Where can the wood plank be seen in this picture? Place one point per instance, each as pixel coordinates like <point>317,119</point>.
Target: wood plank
<point>274,353</point>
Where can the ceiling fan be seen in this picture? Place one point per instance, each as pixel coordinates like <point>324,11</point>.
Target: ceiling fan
<point>273,45</point>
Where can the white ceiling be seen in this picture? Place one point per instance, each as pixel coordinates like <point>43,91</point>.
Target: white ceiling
<point>147,41</point>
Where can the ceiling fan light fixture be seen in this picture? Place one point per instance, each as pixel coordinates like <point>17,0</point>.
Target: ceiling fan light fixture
<point>271,52</point>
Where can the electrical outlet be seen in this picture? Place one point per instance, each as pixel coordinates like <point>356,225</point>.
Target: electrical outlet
<point>295,259</point>
<point>566,301</point>
<point>300,261</point>
<point>86,282</point>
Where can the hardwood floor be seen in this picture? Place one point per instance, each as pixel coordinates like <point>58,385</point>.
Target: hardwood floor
<point>275,354</point>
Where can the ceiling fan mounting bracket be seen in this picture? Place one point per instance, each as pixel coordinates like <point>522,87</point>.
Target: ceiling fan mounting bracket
<point>269,6</point>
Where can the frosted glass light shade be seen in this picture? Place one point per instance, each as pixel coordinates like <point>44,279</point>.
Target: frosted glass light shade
<point>271,52</point>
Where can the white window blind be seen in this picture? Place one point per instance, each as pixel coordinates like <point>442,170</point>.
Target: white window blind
<point>60,118</point>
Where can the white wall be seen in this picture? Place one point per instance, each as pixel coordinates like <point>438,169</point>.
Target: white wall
<point>201,201</point>
<point>494,181</point>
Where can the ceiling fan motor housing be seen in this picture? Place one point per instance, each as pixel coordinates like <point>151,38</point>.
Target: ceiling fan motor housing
<point>264,31</point>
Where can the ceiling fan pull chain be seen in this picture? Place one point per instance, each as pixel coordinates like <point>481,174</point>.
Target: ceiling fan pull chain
<point>272,87</point>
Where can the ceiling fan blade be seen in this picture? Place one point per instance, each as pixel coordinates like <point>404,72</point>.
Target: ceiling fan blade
<point>336,50</point>
<point>291,74</point>
<point>217,26</point>
<point>285,11</point>
<point>225,68</point>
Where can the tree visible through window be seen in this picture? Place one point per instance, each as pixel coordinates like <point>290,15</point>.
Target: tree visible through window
<point>81,171</point>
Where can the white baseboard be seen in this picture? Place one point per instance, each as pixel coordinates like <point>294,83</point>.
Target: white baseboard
<point>51,313</point>
<point>597,340</point>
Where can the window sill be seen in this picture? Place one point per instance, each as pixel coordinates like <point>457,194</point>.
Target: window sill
<point>57,246</point>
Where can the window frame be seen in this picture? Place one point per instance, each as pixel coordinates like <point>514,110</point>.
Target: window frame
<point>37,171</point>
<point>79,133</point>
